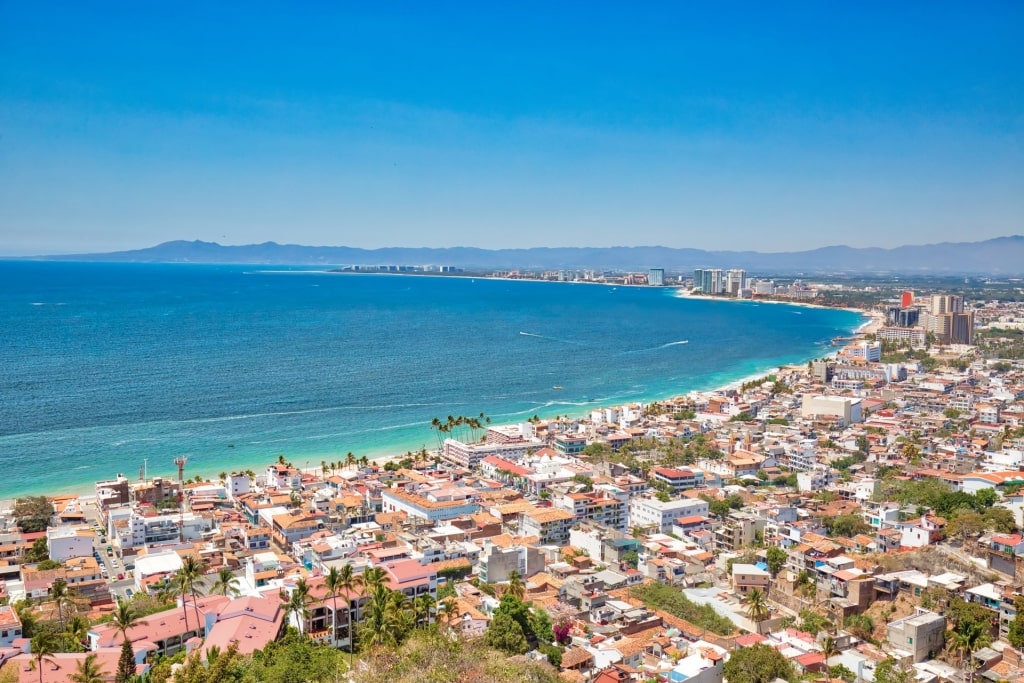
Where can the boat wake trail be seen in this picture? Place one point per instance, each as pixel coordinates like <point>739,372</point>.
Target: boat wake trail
<point>554,339</point>
<point>656,348</point>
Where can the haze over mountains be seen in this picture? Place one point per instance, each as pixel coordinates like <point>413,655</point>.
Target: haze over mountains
<point>1002,256</point>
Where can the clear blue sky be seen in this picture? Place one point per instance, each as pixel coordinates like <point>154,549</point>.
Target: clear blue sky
<point>768,126</point>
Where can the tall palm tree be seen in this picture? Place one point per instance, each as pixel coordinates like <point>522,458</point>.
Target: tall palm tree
<point>363,461</point>
<point>296,603</point>
<point>829,649</point>
<point>374,577</point>
<point>968,638</point>
<point>60,593</point>
<point>757,607</point>
<point>191,571</point>
<point>380,621</point>
<point>350,459</point>
<point>423,608</point>
<point>88,671</point>
<point>124,618</point>
<point>225,584</point>
<point>332,582</point>
<point>516,587</point>
<point>43,649</point>
<point>350,582</point>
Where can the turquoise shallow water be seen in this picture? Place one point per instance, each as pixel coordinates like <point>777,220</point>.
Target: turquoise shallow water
<point>103,366</point>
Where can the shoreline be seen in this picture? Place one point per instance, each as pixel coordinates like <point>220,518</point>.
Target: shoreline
<point>391,453</point>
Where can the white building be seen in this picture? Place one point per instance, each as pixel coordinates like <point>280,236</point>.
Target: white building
<point>868,351</point>
<point>65,542</point>
<point>238,484</point>
<point>650,512</point>
<point>141,530</point>
<point>703,663</point>
<point>469,455</point>
<point>817,479</point>
<point>155,564</point>
<point>848,410</point>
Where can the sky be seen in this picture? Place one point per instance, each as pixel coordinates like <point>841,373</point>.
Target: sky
<point>763,126</point>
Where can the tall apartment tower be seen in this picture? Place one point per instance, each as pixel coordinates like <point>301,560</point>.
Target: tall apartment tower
<point>906,299</point>
<point>735,279</point>
<point>656,277</point>
<point>946,303</point>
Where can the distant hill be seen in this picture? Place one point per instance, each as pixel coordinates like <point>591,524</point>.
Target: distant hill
<point>1002,256</point>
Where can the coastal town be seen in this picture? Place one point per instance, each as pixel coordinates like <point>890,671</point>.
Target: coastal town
<point>855,518</point>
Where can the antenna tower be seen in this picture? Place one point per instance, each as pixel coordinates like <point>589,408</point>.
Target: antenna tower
<point>180,462</point>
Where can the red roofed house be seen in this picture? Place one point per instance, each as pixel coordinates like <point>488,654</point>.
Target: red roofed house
<point>250,623</point>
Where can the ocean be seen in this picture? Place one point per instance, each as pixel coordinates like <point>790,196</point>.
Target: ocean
<point>109,368</point>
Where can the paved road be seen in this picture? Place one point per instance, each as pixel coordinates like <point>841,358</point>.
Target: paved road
<point>113,565</point>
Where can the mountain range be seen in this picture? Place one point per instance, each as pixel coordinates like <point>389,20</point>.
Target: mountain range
<point>999,256</point>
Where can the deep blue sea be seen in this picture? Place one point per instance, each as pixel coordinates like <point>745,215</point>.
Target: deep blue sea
<point>103,366</point>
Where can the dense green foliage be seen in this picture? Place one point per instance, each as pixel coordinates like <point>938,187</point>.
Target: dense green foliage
<point>934,494</point>
<point>891,671</point>
<point>846,525</point>
<point>32,513</point>
<point>665,597</point>
<point>504,633</point>
<point>758,664</point>
<point>429,657</point>
<point>292,659</point>
<point>776,558</point>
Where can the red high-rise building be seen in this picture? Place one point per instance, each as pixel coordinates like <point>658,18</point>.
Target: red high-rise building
<point>907,300</point>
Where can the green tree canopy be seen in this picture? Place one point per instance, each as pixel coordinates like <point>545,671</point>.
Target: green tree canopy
<point>758,663</point>
<point>891,671</point>
<point>776,558</point>
<point>32,513</point>
<point>504,633</point>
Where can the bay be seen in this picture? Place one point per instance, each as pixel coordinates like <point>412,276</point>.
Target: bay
<point>106,366</point>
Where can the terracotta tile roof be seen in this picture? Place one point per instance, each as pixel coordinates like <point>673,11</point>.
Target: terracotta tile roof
<point>575,656</point>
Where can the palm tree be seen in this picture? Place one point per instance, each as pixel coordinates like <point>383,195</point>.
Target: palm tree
<point>332,582</point>
<point>350,459</point>
<point>191,571</point>
<point>295,603</point>
<point>43,649</point>
<point>968,638</point>
<point>363,461</point>
<point>423,608</point>
<point>829,649</point>
<point>60,593</point>
<point>757,607</point>
<point>350,582</point>
<point>449,611</point>
<point>374,577</point>
<point>380,620</point>
<point>88,671</point>
<point>515,585</point>
<point>124,618</point>
<point>77,632</point>
<point>225,584</point>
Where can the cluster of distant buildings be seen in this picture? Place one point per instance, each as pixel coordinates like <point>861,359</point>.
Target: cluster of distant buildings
<point>942,315</point>
<point>735,282</point>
